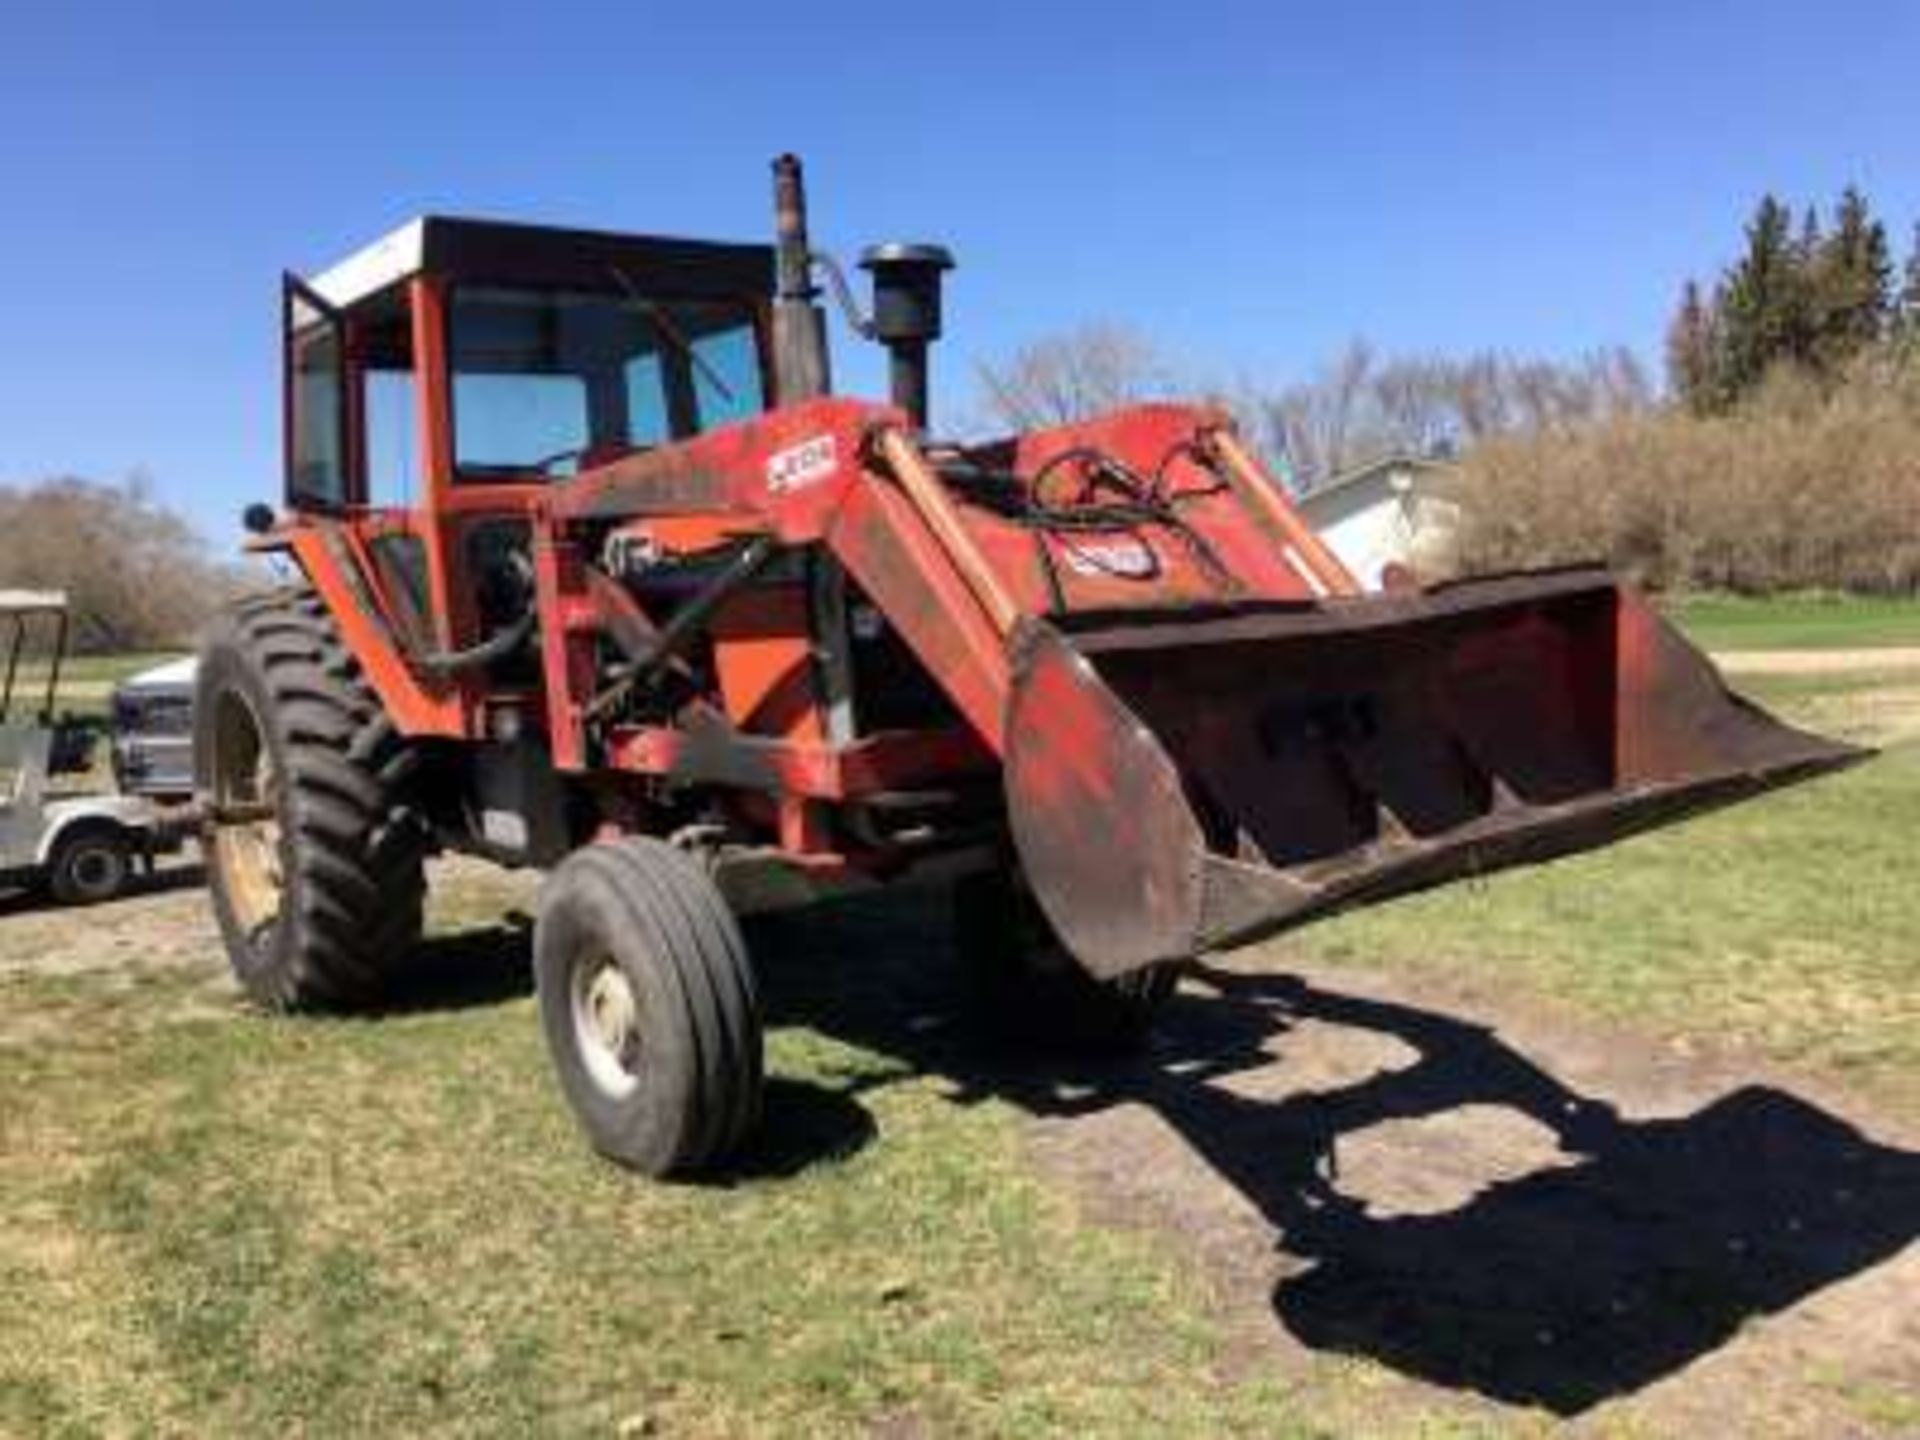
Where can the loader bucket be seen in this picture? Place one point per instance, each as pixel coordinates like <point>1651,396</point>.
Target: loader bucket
<point>1178,781</point>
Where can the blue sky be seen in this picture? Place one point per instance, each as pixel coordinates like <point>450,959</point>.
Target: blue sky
<point>1248,184</point>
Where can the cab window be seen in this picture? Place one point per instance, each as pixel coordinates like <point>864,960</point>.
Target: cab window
<point>545,382</point>
<point>316,425</point>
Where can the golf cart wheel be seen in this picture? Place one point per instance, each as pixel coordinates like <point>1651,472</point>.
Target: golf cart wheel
<point>315,856</point>
<point>1036,990</point>
<point>648,1003</point>
<point>90,864</point>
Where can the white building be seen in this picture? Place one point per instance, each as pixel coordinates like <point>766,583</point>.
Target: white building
<point>1382,513</point>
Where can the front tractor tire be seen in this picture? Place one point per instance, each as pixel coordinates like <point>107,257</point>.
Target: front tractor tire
<point>648,1002</point>
<point>315,858</point>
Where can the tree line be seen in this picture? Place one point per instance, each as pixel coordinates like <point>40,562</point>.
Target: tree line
<point>1782,452</point>
<point>137,575</point>
<point>1358,406</point>
<point>1810,296</point>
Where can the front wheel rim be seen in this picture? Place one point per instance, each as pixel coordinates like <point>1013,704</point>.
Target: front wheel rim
<point>606,1025</point>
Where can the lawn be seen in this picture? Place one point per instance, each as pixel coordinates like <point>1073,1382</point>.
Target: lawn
<point>86,681</point>
<point>1797,622</point>
<point>220,1223</point>
<point>1788,925</point>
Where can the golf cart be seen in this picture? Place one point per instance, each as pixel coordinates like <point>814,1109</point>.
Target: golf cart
<point>80,847</point>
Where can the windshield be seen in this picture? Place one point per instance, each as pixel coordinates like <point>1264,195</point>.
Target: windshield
<point>549,381</point>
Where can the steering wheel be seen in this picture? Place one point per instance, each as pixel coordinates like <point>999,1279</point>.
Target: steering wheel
<point>546,463</point>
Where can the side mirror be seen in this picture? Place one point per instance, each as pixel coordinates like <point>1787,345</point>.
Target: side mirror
<point>257,519</point>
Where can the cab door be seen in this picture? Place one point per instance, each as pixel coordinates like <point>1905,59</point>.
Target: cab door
<point>353,448</point>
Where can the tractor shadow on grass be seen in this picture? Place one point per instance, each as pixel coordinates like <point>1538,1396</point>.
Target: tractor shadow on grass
<point>1648,1245</point>
<point>464,969</point>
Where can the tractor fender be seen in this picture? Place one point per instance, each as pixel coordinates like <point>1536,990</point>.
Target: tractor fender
<point>63,817</point>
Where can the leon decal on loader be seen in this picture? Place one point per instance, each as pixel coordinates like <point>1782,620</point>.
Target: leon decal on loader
<point>661,611</point>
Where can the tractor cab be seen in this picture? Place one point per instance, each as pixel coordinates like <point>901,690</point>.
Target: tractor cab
<point>439,378</point>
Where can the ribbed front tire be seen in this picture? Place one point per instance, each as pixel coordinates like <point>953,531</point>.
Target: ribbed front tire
<point>648,1001</point>
<point>315,856</point>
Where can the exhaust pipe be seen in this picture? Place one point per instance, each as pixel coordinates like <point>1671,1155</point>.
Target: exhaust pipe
<point>906,304</point>
<point>799,324</point>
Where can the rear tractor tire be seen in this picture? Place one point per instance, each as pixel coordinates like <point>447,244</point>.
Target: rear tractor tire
<point>315,857</point>
<point>648,1002</point>
<point>1035,989</point>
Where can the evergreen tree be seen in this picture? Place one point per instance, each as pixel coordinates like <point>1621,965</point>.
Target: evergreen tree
<point>1850,279</point>
<point>1807,249</point>
<point>1764,319</point>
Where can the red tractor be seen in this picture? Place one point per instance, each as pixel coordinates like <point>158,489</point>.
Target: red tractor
<point>596,575</point>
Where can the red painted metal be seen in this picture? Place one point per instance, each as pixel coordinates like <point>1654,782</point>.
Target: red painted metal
<point>418,704</point>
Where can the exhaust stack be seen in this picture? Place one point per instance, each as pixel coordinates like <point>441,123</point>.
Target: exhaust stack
<point>799,325</point>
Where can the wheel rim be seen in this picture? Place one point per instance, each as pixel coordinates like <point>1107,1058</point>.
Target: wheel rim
<point>96,871</point>
<point>606,1025</point>
<point>246,817</point>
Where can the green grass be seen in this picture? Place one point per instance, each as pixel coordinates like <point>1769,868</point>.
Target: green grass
<point>220,1223</point>
<point>1796,622</point>
<point>86,681</point>
<point>112,669</point>
<point>236,1225</point>
<point>1785,925</point>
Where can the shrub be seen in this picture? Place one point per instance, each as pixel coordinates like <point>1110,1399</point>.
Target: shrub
<point>1804,486</point>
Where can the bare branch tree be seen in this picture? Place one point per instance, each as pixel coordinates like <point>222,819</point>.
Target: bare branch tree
<point>136,573</point>
<point>1357,407</point>
<point>1063,378</point>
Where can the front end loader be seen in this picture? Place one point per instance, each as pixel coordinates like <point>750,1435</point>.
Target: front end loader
<point>588,569</point>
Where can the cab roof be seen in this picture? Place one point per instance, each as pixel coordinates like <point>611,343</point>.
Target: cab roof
<point>32,602</point>
<point>509,253</point>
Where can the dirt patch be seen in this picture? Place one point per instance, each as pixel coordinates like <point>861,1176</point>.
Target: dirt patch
<point>154,956</point>
<point>1493,1206</point>
<point>163,923</point>
<point>1817,662</point>
<point>1877,715</point>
